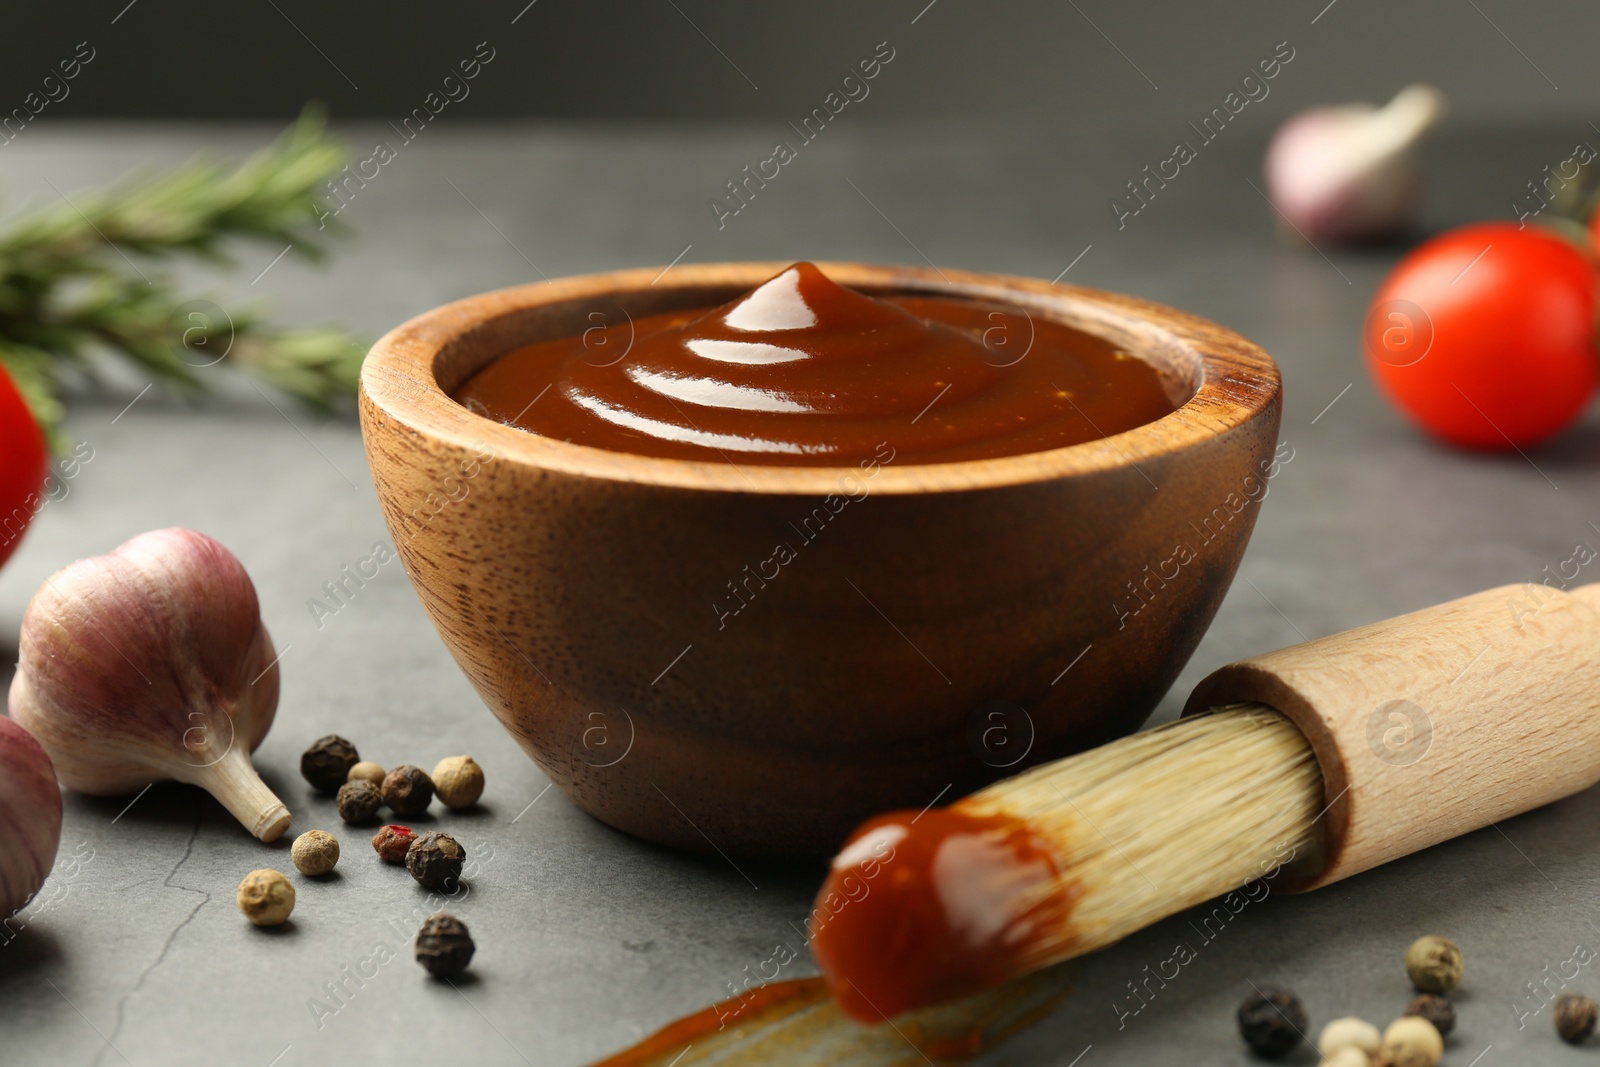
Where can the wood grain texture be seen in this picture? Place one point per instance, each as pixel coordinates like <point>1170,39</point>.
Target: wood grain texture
<point>1440,722</point>
<point>577,587</point>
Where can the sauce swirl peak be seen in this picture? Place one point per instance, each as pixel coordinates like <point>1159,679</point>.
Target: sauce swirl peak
<point>801,370</point>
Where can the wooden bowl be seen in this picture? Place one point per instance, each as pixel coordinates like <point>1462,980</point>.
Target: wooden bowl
<point>938,626</point>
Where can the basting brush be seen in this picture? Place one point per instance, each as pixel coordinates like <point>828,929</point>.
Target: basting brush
<point>1308,764</point>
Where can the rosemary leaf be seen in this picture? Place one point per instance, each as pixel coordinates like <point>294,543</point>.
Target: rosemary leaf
<point>69,289</point>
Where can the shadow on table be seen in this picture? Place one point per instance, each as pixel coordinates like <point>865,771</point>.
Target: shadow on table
<point>1576,449</point>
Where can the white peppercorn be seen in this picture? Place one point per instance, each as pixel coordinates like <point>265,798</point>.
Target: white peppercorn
<point>458,781</point>
<point>366,771</point>
<point>315,852</point>
<point>1348,1056</point>
<point>1410,1041</point>
<point>266,897</point>
<point>1434,964</point>
<point>1349,1032</point>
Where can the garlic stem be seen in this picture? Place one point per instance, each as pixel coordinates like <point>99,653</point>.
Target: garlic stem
<point>234,782</point>
<point>1398,125</point>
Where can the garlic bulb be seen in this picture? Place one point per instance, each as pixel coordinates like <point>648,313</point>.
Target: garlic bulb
<point>30,817</point>
<point>1349,173</point>
<point>148,664</point>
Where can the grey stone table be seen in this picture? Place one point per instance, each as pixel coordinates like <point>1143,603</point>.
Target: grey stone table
<point>589,939</point>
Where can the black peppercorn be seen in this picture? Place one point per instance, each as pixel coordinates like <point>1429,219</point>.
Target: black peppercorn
<point>359,801</point>
<point>327,763</point>
<point>1272,1021</point>
<point>443,946</point>
<point>1436,1009</point>
<point>435,860</point>
<point>1575,1016</point>
<point>408,790</point>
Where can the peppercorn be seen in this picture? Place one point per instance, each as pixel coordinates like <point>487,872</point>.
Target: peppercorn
<point>1436,1009</point>
<point>1575,1016</point>
<point>444,947</point>
<point>392,841</point>
<point>458,781</point>
<point>1349,1032</point>
<point>1410,1041</point>
<point>1346,1056</point>
<point>266,897</point>
<point>326,764</point>
<point>359,801</point>
<point>1272,1021</point>
<point>315,852</point>
<point>368,771</point>
<point>435,860</point>
<point>1434,964</point>
<point>407,790</point>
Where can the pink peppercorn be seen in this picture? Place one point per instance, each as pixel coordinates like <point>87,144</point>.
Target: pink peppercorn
<point>392,841</point>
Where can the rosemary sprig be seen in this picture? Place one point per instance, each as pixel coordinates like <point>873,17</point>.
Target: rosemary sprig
<point>69,287</point>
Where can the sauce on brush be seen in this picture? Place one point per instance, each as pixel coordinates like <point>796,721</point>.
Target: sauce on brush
<point>920,908</point>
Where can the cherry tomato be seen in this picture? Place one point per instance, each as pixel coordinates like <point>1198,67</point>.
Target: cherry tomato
<point>1484,336</point>
<point>24,462</point>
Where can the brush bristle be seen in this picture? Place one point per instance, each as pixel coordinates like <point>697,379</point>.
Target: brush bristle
<point>1064,859</point>
<point>1164,820</point>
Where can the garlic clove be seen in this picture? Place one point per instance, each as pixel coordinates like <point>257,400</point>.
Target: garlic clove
<point>151,663</point>
<point>1349,173</point>
<point>30,817</point>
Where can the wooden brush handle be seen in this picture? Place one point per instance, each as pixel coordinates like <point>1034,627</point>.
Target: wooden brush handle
<point>1437,723</point>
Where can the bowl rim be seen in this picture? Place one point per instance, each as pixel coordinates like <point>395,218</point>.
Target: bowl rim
<point>1233,379</point>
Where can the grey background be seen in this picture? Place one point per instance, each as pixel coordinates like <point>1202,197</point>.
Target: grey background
<point>589,940</point>
<point>1058,67</point>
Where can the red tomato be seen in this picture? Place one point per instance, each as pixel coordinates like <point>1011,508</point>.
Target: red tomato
<point>24,462</point>
<point>1485,335</point>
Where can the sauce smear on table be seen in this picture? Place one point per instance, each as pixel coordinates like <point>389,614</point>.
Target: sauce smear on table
<point>801,370</point>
